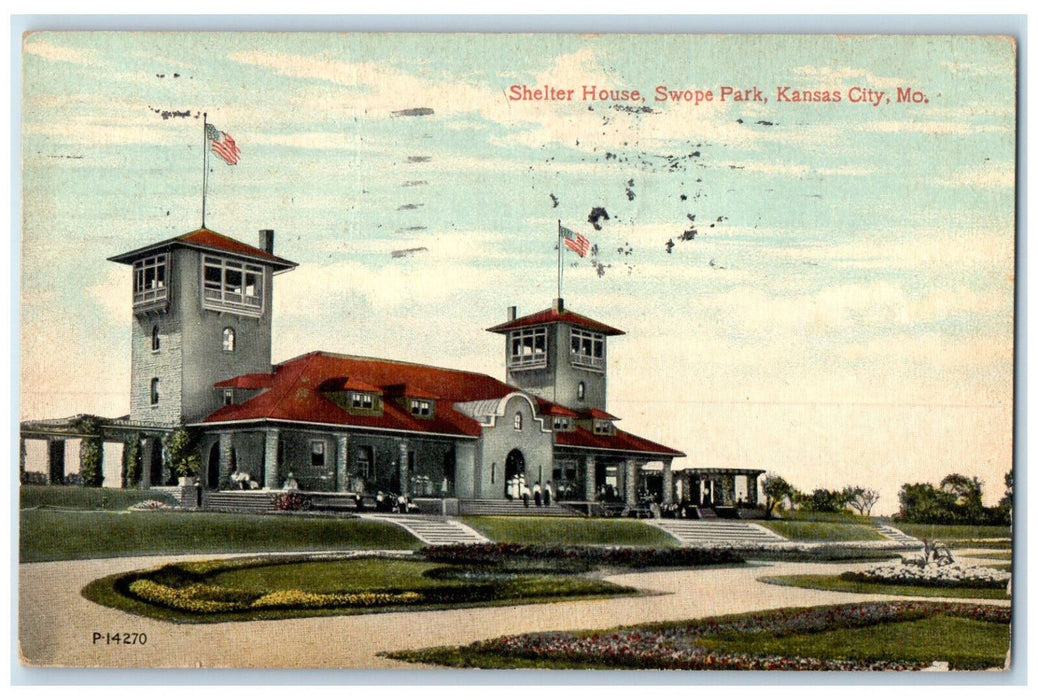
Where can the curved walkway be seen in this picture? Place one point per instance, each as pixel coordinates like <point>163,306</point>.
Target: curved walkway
<point>56,624</point>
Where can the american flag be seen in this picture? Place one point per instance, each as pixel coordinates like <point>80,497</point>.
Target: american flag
<point>222,145</point>
<point>575,241</point>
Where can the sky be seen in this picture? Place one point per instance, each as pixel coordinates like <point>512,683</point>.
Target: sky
<point>821,289</point>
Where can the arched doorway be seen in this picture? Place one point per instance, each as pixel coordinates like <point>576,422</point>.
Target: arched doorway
<point>515,464</point>
<point>155,468</point>
<point>212,476</point>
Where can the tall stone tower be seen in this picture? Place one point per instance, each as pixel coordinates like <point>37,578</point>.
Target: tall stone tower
<point>557,355</point>
<point>201,314</point>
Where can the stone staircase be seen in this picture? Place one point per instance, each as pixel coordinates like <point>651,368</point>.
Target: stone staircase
<point>901,538</point>
<point>715,531</point>
<point>500,506</point>
<point>238,501</point>
<point>431,529</point>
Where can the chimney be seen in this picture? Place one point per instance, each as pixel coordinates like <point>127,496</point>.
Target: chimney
<point>266,240</point>
<point>511,313</point>
<point>557,305</point>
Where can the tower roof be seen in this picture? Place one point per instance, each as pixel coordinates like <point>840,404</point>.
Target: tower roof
<point>206,239</point>
<point>555,315</point>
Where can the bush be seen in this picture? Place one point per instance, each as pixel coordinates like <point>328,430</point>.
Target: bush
<point>91,459</point>
<point>585,557</point>
<point>34,478</point>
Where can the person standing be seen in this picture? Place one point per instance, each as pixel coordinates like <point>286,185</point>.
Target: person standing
<point>526,495</point>
<point>537,493</point>
<point>547,493</point>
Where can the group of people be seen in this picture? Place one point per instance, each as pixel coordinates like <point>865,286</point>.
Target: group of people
<point>516,489</point>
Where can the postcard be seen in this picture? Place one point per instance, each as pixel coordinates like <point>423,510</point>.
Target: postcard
<point>557,351</point>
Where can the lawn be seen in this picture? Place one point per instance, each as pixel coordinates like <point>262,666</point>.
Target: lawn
<point>857,636</point>
<point>52,535</point>
<point>835,583</point>
<point>570,531</point>
<point>954,533</point>
<point>266,588</point>
<point>823,530</point>
<point>82,498</point>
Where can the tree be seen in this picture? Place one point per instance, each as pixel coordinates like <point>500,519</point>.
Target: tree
<point>923,503</point>
<point>774,488</point>
<point>861,499</point>
<point>968,496</point>
<point>183,457</point>
<point>91,451</point>
<point>131,475</point>
<point>822,501</point>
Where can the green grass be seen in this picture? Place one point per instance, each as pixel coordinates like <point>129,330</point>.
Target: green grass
<point>822,531</point>
<point>82,498</point>
<point>963,643</point>
<point>816,516</point>
<point>47,535</point>
<point>570,531</point>
<point>835,583</point>
<point>957,533</point>
<point>443,586</point>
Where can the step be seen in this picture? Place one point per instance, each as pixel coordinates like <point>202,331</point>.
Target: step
<point>432,530</point>
<point>701,531</point>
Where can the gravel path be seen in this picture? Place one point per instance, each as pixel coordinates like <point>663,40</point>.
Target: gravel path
<point>56,624</point>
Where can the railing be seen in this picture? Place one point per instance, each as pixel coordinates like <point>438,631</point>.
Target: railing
<point>535,361</point>
<point>216,298</point>
<point>147,296</point>
<point>588,361</point>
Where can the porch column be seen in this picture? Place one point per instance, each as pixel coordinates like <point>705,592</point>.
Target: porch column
<point>270,458</point>
<point>342,461</point>
<point>668,483</point>
<point>146,447</point>
<point>405,476</point>
<point>225,455</point>
<point>751,489</point>
<point>589,478</point>
<point>630,482</point>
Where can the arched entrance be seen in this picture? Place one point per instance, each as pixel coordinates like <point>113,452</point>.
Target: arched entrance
<point>155,468</point>
<point>212,476</point>
<point>515,464</point>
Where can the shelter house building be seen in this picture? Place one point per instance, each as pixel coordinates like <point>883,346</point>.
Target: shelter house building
<point>329,423</point>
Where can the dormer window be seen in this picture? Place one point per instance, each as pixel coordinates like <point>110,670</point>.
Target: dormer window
<point>528,348</point>
<point>362,401</point>
<point>421,408</point>
<point>228,397</point>
<point>603,427</point>
<point>562,423</point>
<point>150,277</point>
<point>228,285</point>
<point>587,349</point>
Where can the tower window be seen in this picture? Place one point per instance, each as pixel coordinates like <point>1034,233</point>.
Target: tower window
<point>232,286</point>
<point>155,342</point>
<point>587,349</point>
<point>154,391</point>
<point>228,339</point>
<point>528,348</point>
<point>517,423</point>
<point>149,280</point>
<point>581,391</point>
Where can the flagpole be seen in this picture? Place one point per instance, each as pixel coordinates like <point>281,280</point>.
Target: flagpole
<point>560,259</point>
<point>205,164</point>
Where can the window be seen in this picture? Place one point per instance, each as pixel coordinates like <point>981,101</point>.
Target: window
<point>603,427</point>
<point>154,391</point>
<point>228,397</point>
<point>149,280</point>
<point>561,423</point>
<point>528,348</point>
<point>586,349</point>
<point>231,286</point>
<point>317,453</point>
<point>228,340</point>
<point>362,401</point>
<point>421,408</point>
<point>365,458</point>
<point>581,391</point>
<point>517,423</point>
<point>155,342</point>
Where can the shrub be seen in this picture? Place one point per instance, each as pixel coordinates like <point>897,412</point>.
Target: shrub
<point>291,501</point>
<point>34,478</point>
<point>586,557</point>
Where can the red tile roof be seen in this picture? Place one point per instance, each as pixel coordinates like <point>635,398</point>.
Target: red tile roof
<point>601,415</point>
<point>620,442</point>
<point>555,316</point>
<point>295,394</point>
<point>206,239</point>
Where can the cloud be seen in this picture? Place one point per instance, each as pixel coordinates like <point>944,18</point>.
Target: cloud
<point>36,45</point>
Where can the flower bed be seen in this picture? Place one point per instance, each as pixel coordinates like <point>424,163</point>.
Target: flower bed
<point>149,506</point>
<point>953,575</point>
<point>680,646</point>
<point>548,556</point>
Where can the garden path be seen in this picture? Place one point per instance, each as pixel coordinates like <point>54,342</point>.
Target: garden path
<point>56,624</point>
